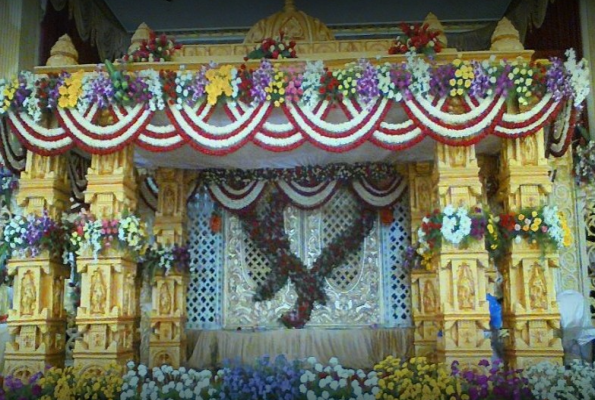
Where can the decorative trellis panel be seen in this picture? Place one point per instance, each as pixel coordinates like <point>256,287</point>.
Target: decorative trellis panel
<point>397,280</point>
<point>371,288</point>
<point>205,296</point>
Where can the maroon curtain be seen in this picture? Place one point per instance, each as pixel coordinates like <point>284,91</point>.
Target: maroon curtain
<point>57,23</point>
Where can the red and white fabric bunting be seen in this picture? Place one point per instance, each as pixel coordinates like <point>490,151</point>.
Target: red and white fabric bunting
<point>220,130</point>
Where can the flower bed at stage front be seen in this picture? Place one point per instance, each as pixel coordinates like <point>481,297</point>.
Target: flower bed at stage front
<point>309,380</point>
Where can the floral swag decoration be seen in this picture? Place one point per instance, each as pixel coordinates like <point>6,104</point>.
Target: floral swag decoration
<point>268,234</point>
<point>363,92</point>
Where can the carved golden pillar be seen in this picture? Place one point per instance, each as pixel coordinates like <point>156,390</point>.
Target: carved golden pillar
<point>107,314</point>
<point>530,311</point>
<point>424,283</point>
<point>168,317</point>
<point>464,313</point>
<point>38,319</point>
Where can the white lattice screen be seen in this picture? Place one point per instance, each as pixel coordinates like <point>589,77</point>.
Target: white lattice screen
<point>205,297</point>
<point>371,282</point>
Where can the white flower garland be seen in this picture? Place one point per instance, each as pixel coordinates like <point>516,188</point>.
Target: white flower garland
<point>456,224</point>
<point>579,77</point>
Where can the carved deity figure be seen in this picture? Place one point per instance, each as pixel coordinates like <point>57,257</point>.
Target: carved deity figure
<point>529,150</point>
<point>429,298</point>
<point>465,288</point>
<point>28,294</point>
<point>164,299</point>
<point>537,288</point>
<point>169,200</point>
<point>98,293</point>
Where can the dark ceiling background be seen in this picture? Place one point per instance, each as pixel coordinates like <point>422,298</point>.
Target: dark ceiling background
<point>163,15</point>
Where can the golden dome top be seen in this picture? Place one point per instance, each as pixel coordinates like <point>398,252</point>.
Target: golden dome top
<point>295,25</point>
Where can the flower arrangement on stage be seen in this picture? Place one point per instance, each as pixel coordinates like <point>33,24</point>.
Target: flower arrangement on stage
<point>310,83</point>
<point>156,49</point>
<point>416,379</point>
<point>419,38</point>
<point>274,49</point>
<point>96,235</point>
<point>456,226</point>
<point>413,379</point>
<point>163,258</point>
<point>333,381</point>
<point>544,226</point>
<point>30,235</point>
<point>267,232</point>
<point>584,159</point>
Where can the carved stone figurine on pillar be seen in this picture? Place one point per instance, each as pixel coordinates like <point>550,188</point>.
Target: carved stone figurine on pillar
<point>107,313</point>
<point>168,317</point>
<point>424,283</point>
<point>38,319</point>
<point>464,316</point>
<point>530,311</point>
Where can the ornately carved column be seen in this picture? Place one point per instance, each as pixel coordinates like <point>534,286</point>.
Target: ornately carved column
<point>424,282</point>
<point>168,338</point>
<point>38,319</point>
<point>530,309</point>
<point>464,313</point>
<point>108,310</point>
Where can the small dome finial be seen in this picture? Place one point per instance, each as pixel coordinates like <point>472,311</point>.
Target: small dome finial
<point>289,6</point>
<point>506,37</point>
<point>63,53</point>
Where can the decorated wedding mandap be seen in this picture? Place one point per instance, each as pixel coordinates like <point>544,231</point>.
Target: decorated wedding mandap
<point>310,197</point>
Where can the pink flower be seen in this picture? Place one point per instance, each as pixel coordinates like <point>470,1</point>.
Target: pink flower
<point>543,228</point>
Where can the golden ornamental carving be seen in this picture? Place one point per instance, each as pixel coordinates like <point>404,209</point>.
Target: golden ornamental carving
<point>506,37</point>
<point>98,293</point>
<point>28,294</point>
<point>429,298</point>
<point>435,25</point>
<point>296,25</point>
<point>465,288</point>
<point>63,53</point>
<point>537,288</point>
<point>529,150</point>
<point>164,299</point>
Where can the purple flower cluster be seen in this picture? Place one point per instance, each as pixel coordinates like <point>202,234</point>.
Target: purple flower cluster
<point>22,91</point>
<point>101,90</point>
<point>261,79</point>
<point>493,382</point>
<point>181,257</point>
<point>402,78</point>
<point>38,229</point>
<point>198,85</point>
<point>481,83</point>
<point>503,83</point>
<point>478,226</point>
<point>266,379</point>
<point>367,84</point>
<point>411,260</point>
<point>556,80</point>
<point>14,388</point>
<point>440,81</point>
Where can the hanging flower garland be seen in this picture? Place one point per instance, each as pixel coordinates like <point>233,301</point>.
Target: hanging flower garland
<point>305,175</point>
<point>92,235</point>
<point>268,234</point>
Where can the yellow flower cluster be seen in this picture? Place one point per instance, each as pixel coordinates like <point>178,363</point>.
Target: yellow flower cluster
<point>522,77</point>
<point>464,76</point>
<point>493,232</point>
<point>70,384</point>
<point>219,83</point>
<point>348,79</point>
<point>566,230</point>
<point>71,90</point>
<point>417,380</point>
<point>8,94</point>
<point>276,89</point>
<point>531,224</point>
